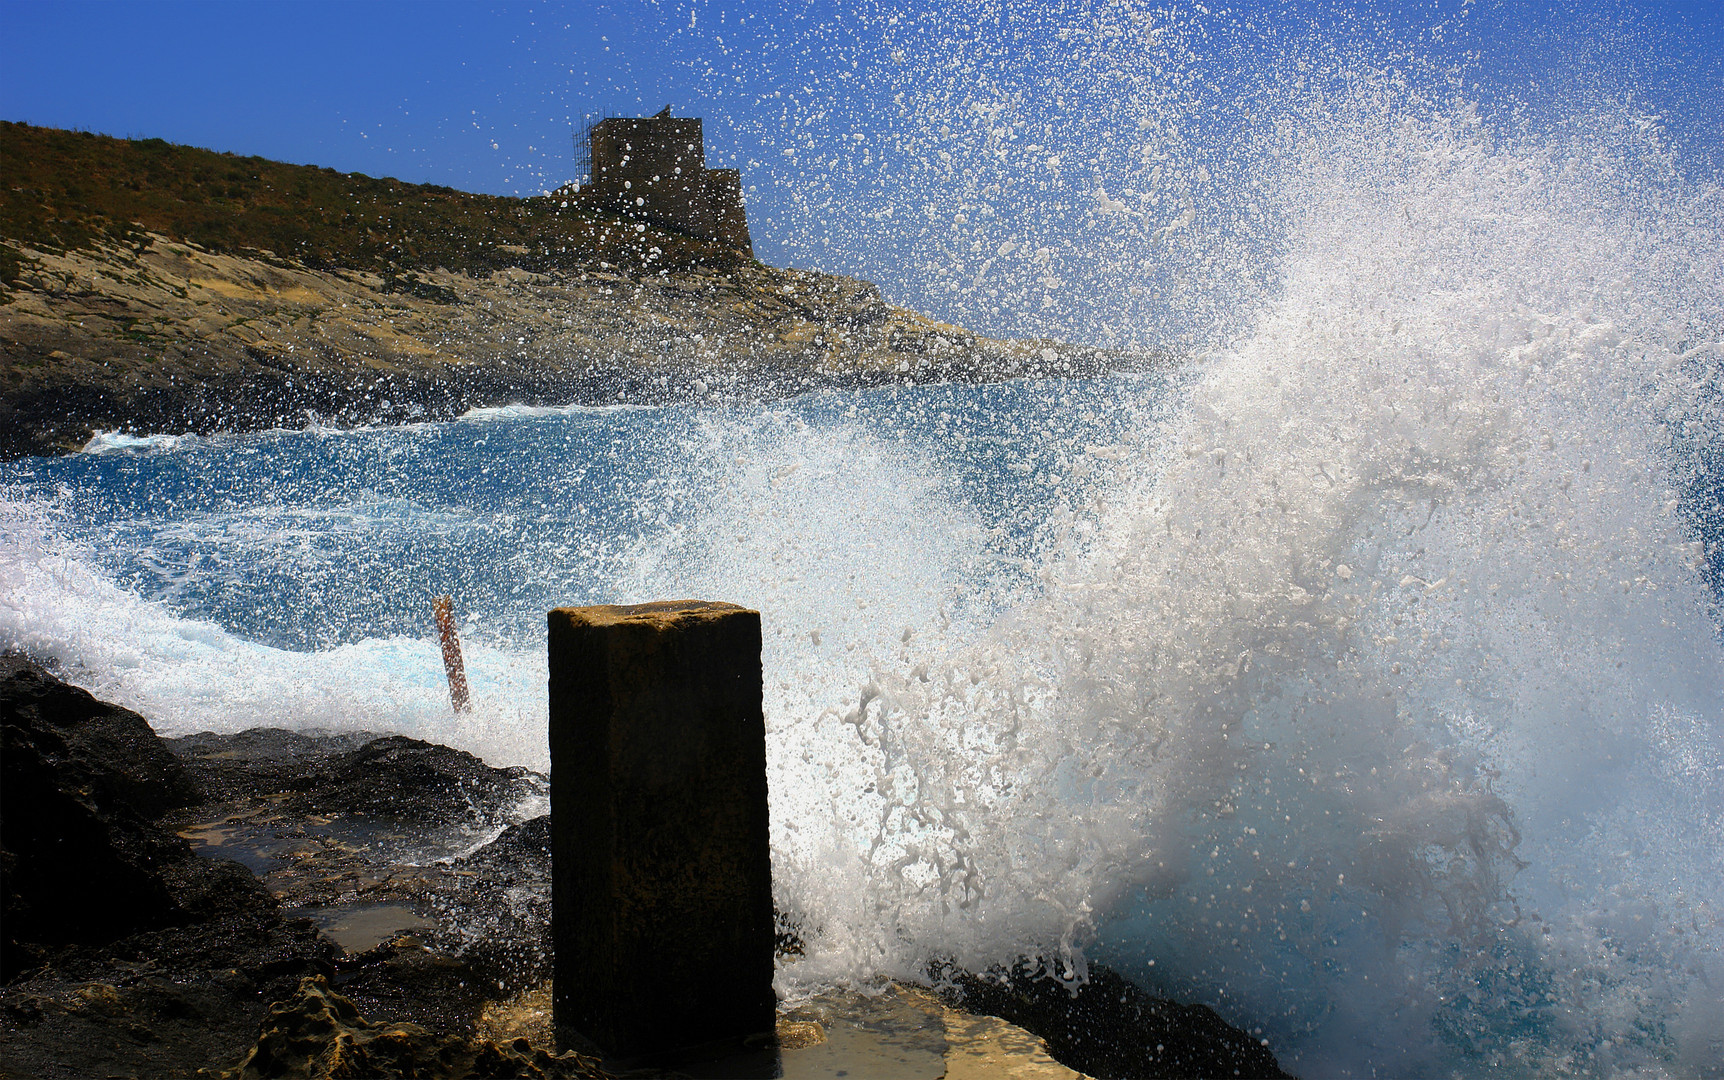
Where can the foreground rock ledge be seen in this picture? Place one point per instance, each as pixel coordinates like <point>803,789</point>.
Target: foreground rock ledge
<point>661,868</point>
<point>319,1033</point>
<point>188,985</point>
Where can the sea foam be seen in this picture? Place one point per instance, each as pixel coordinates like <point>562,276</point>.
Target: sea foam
<point>1380,702</point>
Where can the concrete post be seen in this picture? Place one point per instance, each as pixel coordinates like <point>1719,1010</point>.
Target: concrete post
<point>661,886</point>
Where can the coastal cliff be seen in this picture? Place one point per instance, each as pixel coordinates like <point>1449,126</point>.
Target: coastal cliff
<point>147,287</point>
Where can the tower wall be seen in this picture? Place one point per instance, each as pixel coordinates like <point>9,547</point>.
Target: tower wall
<point>653,168</point>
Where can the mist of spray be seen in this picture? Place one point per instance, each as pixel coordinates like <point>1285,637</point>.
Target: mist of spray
<point>1383,704</point>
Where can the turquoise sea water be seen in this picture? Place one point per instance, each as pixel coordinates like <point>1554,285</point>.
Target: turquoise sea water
<point>306,540</point>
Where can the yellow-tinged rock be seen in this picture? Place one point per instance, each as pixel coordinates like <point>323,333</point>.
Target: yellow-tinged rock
<point>906,1033</point>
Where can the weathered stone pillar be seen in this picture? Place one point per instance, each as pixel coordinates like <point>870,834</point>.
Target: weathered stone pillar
<point>661,888</point>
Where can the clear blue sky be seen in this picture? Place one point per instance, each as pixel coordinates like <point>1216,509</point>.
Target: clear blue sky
<point>833,111</point>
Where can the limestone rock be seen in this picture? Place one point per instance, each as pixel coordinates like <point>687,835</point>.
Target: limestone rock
<point>319,1034</point>
<point>907,1033</point>
<point>172,337</point>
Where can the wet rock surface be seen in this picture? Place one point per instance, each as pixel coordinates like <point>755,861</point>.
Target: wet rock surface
<point>407,854</point>
<point>346,773</point>
<point>84,861</point>
<point>896,1032</point>
<point>125,953</point>
<point>1109,1027</point>
<point>423,905</point>
<point>133,951</point>
<point>320,1033</point>
<point>259,761</point>
<point>496,904</point>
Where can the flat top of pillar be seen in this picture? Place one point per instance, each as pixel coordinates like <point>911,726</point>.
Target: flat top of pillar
<point>658,612</point>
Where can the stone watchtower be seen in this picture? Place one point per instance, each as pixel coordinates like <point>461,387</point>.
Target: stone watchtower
<point>653,168</point>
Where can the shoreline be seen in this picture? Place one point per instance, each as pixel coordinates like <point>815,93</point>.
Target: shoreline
<point>632,393</point>
<point>313,840</point>
<point>170,338</point>
<point>150,288</point>
<point>341,351</point>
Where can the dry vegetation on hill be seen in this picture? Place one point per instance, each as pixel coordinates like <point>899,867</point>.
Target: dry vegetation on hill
<point>148,287</point>
<point>67,189</point>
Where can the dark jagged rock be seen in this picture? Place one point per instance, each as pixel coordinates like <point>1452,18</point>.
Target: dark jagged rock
<point>498,902</point>
<point>83,862</point>
<point>259,761</point>
<point>391,776</point>
<point>114,748</point>
<point>407,777</point>
<point>525,846</point>
<point>125,953</point>
<point>319,1033</point>
<point>177,974</point>
<point>354,830</point>
<point>403,977</point>
<point>1109,1027</point>
<point>160,1004</point>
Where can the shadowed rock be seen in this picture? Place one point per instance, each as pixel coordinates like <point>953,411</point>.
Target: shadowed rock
<point>125,954</point>
<point>80,781</point>
<point>260,761</point>
<point>1110,1028</point>
<point>502,906</point>
<point>347,773</point>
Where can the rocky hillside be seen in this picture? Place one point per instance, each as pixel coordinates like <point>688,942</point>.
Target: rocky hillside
<point>145,287</point>
<point>70,189</point>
